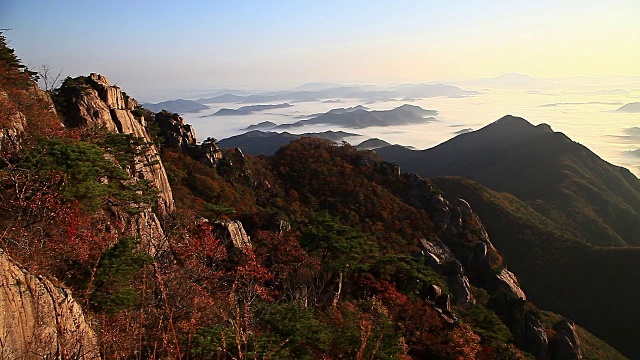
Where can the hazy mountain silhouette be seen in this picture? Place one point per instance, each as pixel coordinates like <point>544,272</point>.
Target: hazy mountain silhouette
<point>360,117</point>
<point>316,92</point>
<point>179,106</point>
<point>264,125</point>
<point>248,110</point>
<point>631,107</point>
<point>372,144</point>
<point>258,142</point>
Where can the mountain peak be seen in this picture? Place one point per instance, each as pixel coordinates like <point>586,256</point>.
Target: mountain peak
<point>510,125</point>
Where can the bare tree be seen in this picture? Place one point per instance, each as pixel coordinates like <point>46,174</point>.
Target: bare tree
<point>48,79</point>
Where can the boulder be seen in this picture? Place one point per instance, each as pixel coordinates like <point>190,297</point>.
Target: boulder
<point>439,257</point>
<point>565,344</point>
<point>233,233</point>
<point>433,292</point>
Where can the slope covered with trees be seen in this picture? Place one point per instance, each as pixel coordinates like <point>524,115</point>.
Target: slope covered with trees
<point>178,250</point>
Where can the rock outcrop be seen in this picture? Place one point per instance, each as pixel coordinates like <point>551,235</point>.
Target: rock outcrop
<point>208,153</point>
<point>175,132</point>
<point>232,232</point>
<point>439,257</point>
<point>39,320</point>
<point>13,125</point>
<point>464,254</point>
<point>565,344</point>
<point>93,102</point>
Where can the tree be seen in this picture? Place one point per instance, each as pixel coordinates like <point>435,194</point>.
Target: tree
<point>48,79</point>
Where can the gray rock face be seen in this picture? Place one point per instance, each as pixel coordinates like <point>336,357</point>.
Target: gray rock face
<point>420,194</point>
<point>464,253</point>
<point>144,226</point>
<point>102,105</point>
<point>40,320</point>
<point>232,232</point>
<point>436,253</point>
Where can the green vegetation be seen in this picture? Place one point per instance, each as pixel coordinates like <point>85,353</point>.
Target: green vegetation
<point>117,269</point>
<point>334,270</point>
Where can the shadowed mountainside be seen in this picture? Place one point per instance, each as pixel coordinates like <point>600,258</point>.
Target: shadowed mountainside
<point>591,285</point>
<point>561,179</point>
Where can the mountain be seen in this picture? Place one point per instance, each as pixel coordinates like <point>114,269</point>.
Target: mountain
<point>558,271</point>
<point>116,214</point>
<point>248,110</point>
<point>359,118</point>
<point>372,144</point>
<point>224,98</point>
<point>630,108</point>
<point>563,180</point>
<point>264,125</point>
<point>319,92</point>
<point>180,106</point>
<point>258,142</point>
<point>566,221</point>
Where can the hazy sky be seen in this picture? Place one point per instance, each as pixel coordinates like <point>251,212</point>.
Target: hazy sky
<point>156,45</point>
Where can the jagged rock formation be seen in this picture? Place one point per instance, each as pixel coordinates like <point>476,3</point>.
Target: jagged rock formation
<point>13,122</point>
<point>179,135</point>
<point>94,102</point>
<point>209,153</point>
<point>175,132</point>
<point>39,319</point>
<point>438,256</point>
<point>465,255</point>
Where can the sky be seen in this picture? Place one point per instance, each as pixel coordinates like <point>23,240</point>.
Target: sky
<point>153,46</point>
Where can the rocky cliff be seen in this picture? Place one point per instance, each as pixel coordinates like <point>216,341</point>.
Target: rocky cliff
<point>465,256</point>
<point>40,320</point>
<point>93,102</point>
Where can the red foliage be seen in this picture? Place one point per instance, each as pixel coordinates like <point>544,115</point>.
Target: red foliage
<point>291,266</point>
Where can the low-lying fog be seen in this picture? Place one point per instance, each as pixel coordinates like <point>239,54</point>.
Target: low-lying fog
<point>583,110</point>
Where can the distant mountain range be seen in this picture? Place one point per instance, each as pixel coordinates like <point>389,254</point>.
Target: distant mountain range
<point>258,142</point>
<point>371,144</point>
<point>316,92</point>
<point>264,125</point>
<point>179,106</point>
<point>360,117</point>
<point>248,110</point>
